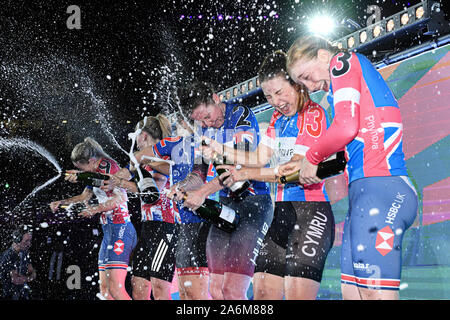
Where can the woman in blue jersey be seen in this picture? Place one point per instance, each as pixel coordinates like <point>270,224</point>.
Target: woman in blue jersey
<point>192,231</point>
<point>231,256</point>
<point>302,232</point>
<point>367,122</point>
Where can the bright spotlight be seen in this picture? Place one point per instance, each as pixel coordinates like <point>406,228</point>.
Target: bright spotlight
<point>322,25</point>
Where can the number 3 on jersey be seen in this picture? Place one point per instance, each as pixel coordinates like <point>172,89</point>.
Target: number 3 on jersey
<point>344,58</point>
<point>314,129</point>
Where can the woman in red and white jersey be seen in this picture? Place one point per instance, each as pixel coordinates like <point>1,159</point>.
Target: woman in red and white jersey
<point>119,235</point>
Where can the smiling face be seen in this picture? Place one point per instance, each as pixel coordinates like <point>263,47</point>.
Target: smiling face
<point>314,74</point>
<point>281,94</point>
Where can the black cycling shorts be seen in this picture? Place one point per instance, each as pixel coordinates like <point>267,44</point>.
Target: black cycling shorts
<point>154,255</point>
<point>236,252</point>
<point>191,248</point>
<point>298,241</point>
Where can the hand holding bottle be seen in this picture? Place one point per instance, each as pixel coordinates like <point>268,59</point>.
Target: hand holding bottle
<point>113,182</point>
<point>54,206</point>
<point>308,173</point>
<point>194,199</point>
<point>176,193</point>
<point>290,167</point>
<point>210,147</point>
<point>231,175</point>
<point>71,176</point>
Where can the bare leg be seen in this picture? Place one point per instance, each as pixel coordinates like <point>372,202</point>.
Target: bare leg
<point>235,286</point>
<point>116,284</point>
<point>301,288</point>
<point>267,286</point>
<point>193,287</point>
<point>141,288</point>
<point>104,286</point>
<point>161,289</point>
<point>215,286</point>
<point>371,294</point>
<point>350,292</point>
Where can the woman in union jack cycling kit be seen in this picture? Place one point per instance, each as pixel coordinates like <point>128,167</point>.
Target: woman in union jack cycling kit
<point>367,123</point>
<point>119,235</point>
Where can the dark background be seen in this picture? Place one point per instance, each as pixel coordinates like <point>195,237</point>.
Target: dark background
<point>120,66</point>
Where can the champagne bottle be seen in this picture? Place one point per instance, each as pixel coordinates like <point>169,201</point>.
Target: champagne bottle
<point>325,169</point>
<point>220,215</point>
<point>73,208</point>
<point>238,187</point>
<point>93,179</point>
<point>147,187</point>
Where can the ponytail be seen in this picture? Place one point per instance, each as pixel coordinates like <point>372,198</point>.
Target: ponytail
<point>158,127</point>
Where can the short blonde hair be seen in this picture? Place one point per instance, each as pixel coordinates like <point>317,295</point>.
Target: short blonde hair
<point>307,47</point>
<point>86,150</point>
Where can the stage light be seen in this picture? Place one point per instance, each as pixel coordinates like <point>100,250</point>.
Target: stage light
<point>322,25</point>
<point>350,42</point>
<point>427,16</point>
<point>390,25</point>
<point>362,37</point>
<point>404,19</point>
<point>64,121</point>
<point>376,31</point>
<point>420,12</point>
<point>6,185</point>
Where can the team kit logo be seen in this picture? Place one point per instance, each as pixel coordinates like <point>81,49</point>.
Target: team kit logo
<point>385,241</point>
<point>119,247</point>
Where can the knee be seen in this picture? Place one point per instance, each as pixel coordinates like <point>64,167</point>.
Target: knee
<point>262,292</point>
<point>230,293</point>
<point>161,291</point>
<point>140,290</point>
<point>216,292</point>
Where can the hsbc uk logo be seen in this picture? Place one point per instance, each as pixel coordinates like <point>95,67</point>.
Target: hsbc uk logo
<point>118,247</point>
<point>385,241</point>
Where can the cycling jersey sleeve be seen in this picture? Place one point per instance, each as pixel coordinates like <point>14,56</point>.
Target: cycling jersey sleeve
<point>345,73</point>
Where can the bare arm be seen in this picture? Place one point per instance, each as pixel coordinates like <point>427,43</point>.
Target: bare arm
<point>233,175</point>
<point>258,158</point>
<point>85,196</point>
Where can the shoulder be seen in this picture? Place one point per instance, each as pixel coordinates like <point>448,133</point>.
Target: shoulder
<point>108,166</point>
<point>344,63</point>
<point>169,141</point>
<point>314,105</point>
<point>241,116</point>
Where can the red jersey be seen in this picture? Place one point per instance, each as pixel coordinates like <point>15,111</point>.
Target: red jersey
<point>120,213</point>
